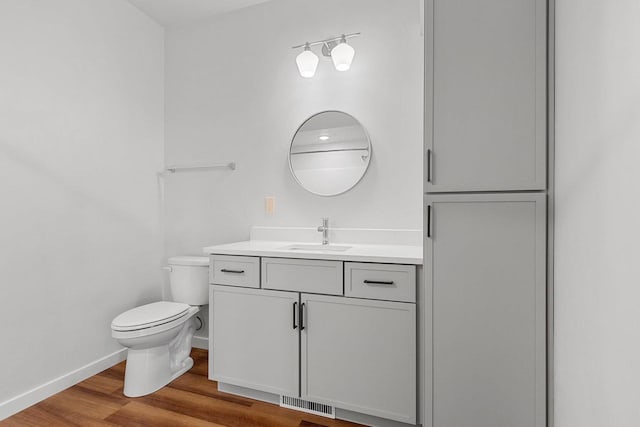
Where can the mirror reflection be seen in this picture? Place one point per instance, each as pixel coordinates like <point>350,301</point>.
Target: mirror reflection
<point>330,153</point>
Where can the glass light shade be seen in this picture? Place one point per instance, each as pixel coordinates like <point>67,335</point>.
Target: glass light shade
<point>307,63</point>
<point>342,56</point>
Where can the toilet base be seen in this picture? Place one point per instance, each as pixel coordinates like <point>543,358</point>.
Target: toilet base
<point>150,369</point>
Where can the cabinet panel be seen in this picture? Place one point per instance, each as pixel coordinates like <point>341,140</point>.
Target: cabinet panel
<point>252,341</point>
<point>360,355</point>
<point>486,95</point>
<point>302,275</point>
<point>486,263</point>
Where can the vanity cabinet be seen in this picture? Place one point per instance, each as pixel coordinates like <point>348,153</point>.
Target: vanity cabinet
<point>485,261</point>
<point>355,354</point>
<point>485,123</point>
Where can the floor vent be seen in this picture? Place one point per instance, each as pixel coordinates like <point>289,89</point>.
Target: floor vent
<point>307,406</point>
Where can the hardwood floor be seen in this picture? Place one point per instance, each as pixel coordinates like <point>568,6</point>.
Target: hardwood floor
<point>191,400</point>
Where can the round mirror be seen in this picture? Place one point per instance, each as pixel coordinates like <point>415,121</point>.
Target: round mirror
<point>330,153</point>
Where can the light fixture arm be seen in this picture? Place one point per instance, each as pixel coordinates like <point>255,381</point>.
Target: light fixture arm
<point>328,44</point>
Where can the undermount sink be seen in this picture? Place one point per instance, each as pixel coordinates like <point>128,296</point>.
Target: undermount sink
<point>320,248</point>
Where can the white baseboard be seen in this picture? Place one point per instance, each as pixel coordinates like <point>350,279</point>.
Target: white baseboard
<point>200,342</point>
<point>33,396</point>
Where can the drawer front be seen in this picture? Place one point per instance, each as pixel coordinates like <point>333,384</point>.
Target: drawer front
<point>235,271</point>
<point>389,282</point>
<point>303,275</point>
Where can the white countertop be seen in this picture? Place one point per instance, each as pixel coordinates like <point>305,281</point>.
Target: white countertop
<point>390,254</point>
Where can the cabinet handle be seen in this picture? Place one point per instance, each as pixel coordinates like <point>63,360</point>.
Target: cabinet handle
<point>224,270</point>
<point>379,282</point>
<point>429,155</point>
<point>302,317</point>
<point>429,221</point>
<point>295,304</point>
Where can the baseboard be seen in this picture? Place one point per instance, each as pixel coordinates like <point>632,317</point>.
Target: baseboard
<point>200,342</point>
<point>31,397</point>
<point>369,420</point>
<point>250,393</point>
<point>341,414</point>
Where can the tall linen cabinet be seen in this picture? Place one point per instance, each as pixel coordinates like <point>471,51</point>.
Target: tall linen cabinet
<point>485,209</point>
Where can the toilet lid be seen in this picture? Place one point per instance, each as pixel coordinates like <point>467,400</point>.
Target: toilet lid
<point>149,315</point>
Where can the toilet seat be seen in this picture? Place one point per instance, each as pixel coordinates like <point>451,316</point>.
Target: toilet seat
<point>158,328</point>
<point>149,315</point>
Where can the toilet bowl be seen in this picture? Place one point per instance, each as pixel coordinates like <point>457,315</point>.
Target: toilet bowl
<point>158,335</point>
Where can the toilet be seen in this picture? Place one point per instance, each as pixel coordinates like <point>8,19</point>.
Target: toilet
<point>158,335</point>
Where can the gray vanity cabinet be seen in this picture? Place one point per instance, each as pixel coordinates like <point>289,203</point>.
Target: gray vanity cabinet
<point>253,339</point>
<point>360,355</point>
<point>299,336</point>
<point>485,124</point>
<point>485,258</point>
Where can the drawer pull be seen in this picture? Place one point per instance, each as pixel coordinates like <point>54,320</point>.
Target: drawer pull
<point>379,282</point>
<point>224,270</point>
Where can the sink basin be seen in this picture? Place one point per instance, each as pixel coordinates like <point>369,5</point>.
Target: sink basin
<point>319,248</point>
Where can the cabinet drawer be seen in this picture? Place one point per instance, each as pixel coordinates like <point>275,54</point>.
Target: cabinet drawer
<point>380,281</point>
<point>302,275</point>
<point>235,271</point>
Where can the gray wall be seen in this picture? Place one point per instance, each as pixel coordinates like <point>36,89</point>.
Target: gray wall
<point>81,130</point>
<point>234,93</point>
<point>597,296</point>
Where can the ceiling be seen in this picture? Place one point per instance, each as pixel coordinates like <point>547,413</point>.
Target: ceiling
<point>171,13</point>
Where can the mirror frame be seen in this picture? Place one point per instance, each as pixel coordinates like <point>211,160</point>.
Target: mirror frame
<point>364,172</point>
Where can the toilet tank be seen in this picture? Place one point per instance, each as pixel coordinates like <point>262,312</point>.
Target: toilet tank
<point>189,279</point>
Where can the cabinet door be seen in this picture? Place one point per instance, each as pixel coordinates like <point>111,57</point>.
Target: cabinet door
<point>360,355</point>
<point>485,124</point>
<point>485,257</point>
<point>252,339</point>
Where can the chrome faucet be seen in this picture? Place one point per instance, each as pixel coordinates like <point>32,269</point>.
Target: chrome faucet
<point>324,229</point>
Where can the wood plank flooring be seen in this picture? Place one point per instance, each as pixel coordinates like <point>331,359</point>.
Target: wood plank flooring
<point>191,400</point>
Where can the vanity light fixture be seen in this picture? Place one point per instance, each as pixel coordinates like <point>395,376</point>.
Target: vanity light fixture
<point>307,62</point>
<point>336,48</point>
<point>342,55</point>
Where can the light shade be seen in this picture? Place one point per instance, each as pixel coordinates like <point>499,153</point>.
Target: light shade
<point>307,63</point>
<point>342,56</point>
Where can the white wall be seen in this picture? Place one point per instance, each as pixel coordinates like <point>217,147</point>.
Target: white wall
<point>81,139</point>
<point>234,93</point>
<point>597,280</point>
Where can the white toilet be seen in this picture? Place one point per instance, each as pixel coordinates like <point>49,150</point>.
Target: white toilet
<point>158,335</point>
